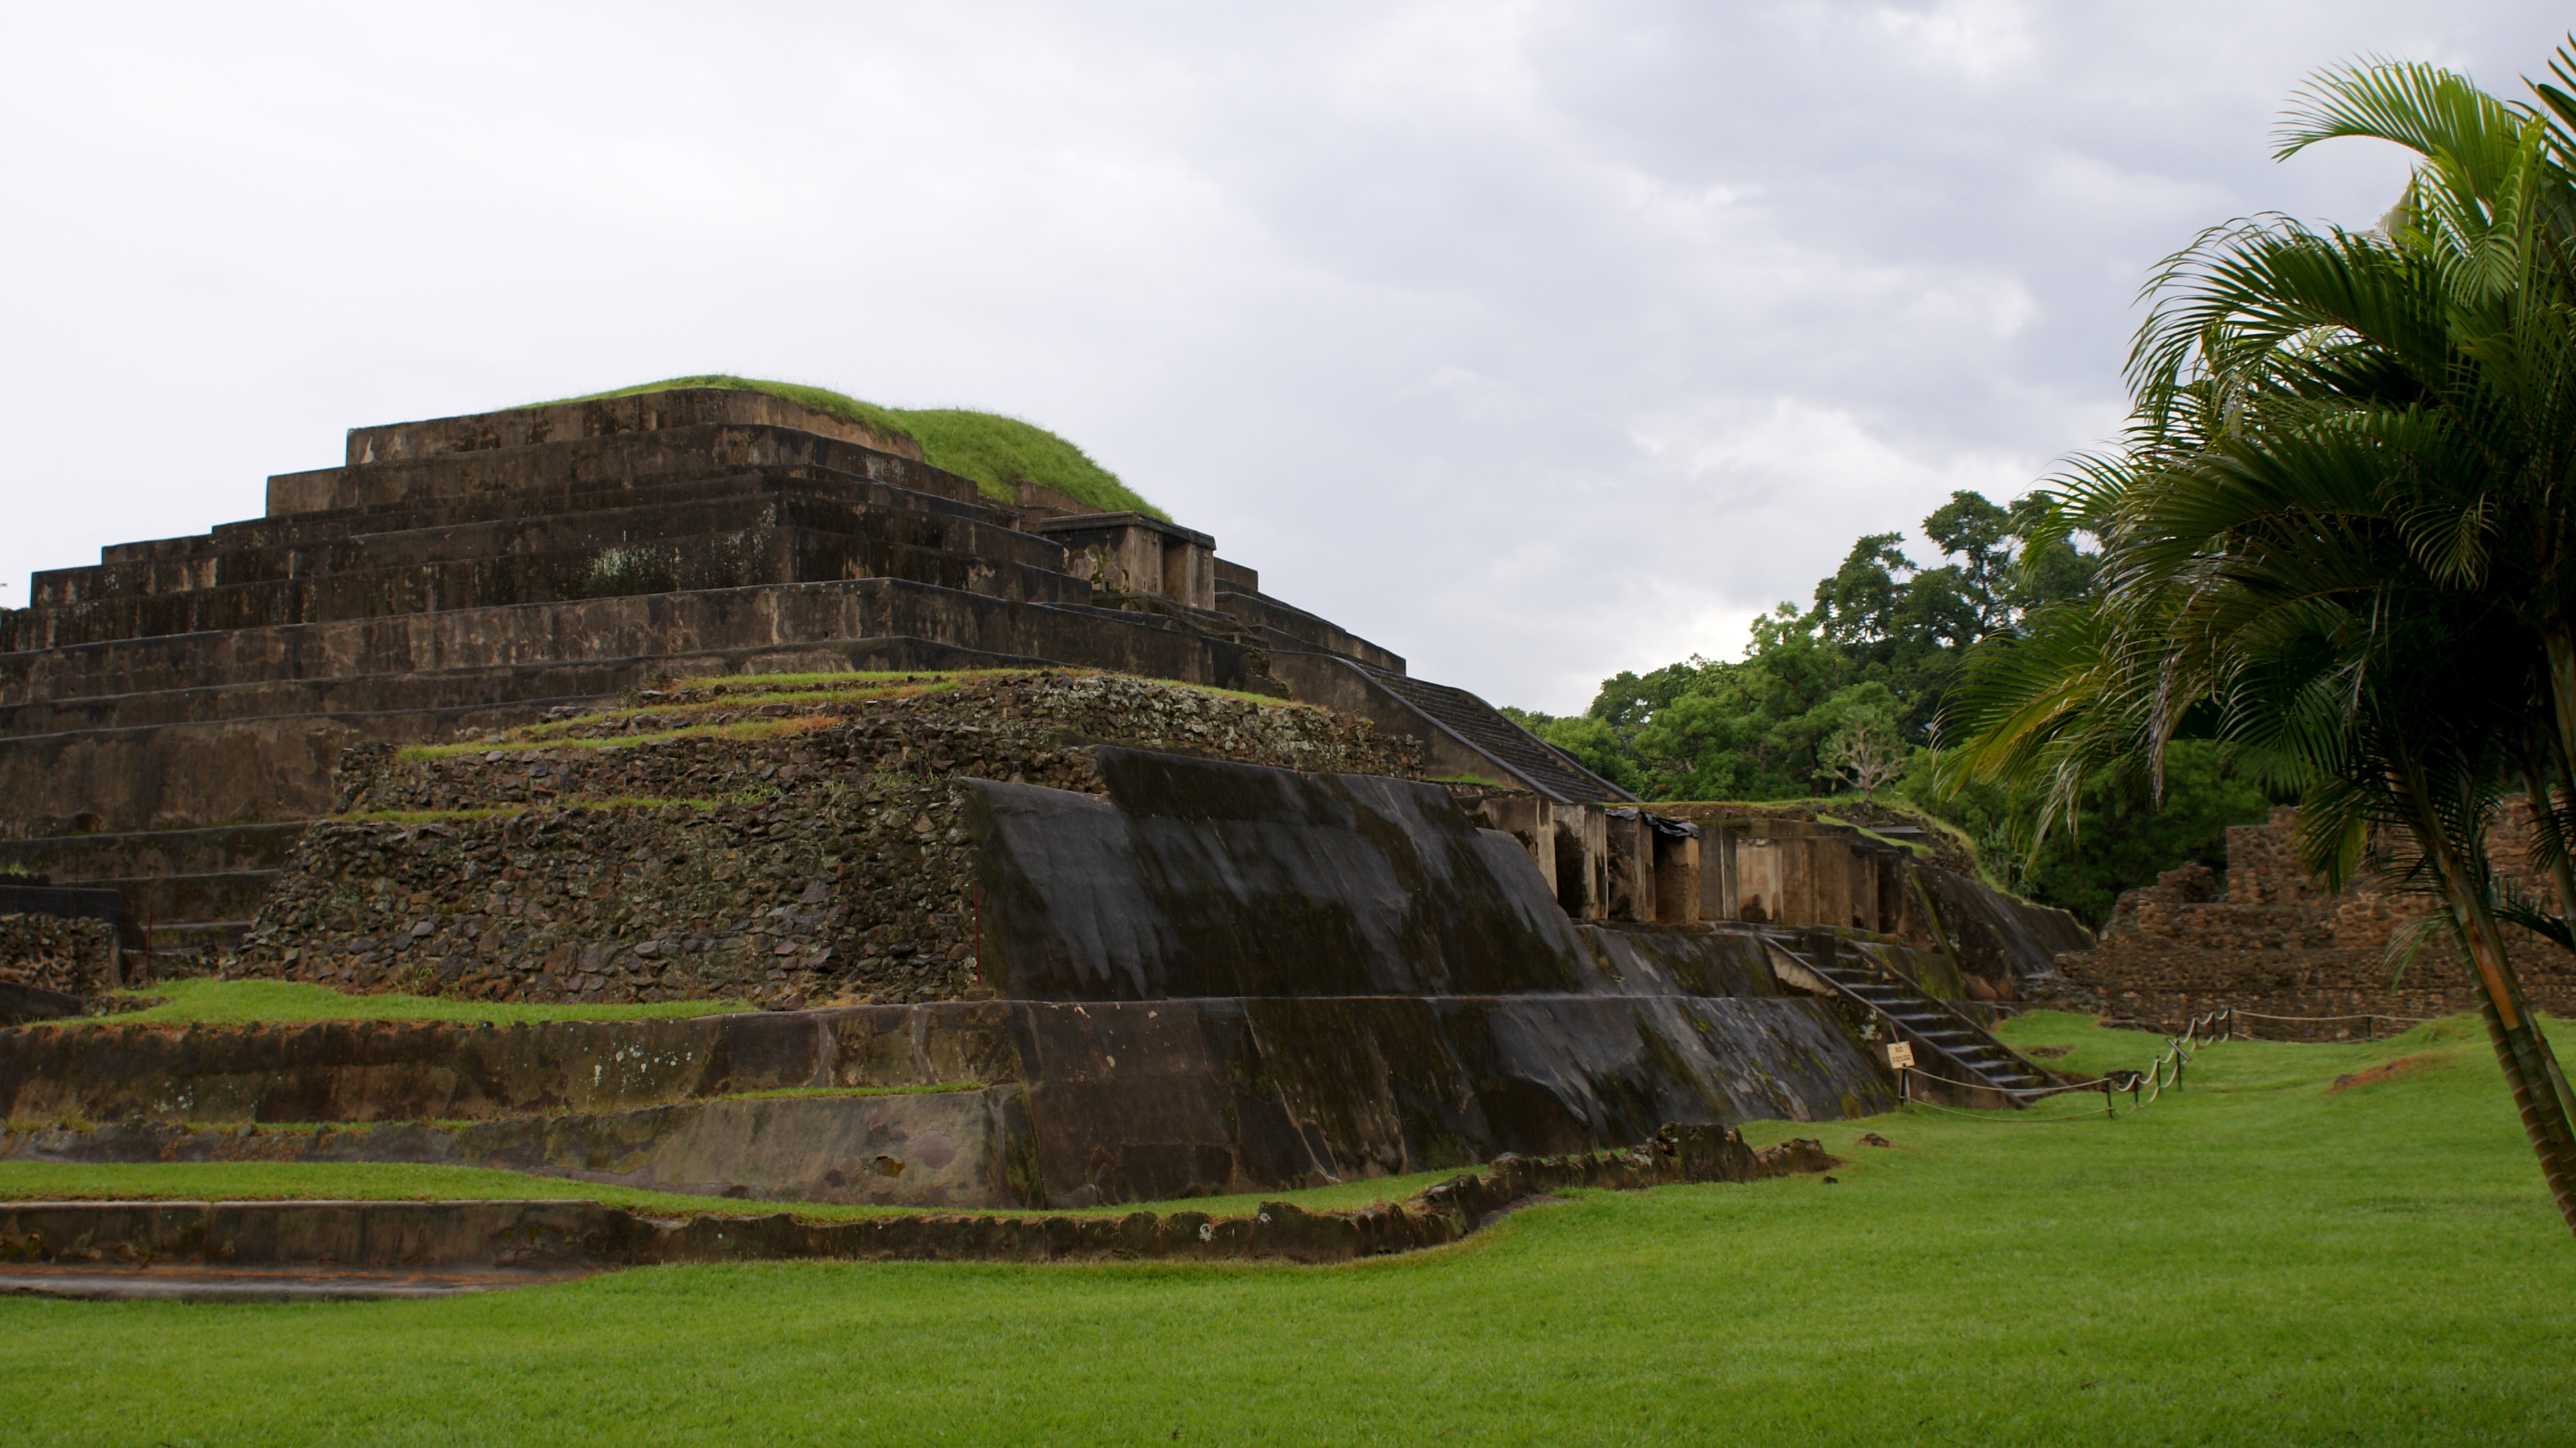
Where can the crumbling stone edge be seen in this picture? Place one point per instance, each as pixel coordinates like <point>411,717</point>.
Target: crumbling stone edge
<point>552,1237</point>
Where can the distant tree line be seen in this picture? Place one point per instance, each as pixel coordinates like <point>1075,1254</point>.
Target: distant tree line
<point>1844,699</point>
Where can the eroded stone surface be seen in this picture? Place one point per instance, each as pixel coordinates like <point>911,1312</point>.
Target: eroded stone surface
<point>2268,939</point>
<point>827,860</point>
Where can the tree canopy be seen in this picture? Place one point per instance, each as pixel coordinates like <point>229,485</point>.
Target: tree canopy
<point>1844,695</point>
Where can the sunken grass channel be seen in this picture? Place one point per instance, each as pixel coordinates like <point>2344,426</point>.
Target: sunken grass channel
<point>2258,1258</point>
<point>204,1001</point>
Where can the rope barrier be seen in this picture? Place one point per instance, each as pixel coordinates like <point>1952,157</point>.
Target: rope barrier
<point>2144,1087</point>
<point>2365,1016</point>
<point>2370,1031</point>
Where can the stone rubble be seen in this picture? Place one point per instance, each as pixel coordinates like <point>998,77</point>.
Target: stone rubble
<point>819,857</point>
<point>2266,938</point>
<point>47,952</point>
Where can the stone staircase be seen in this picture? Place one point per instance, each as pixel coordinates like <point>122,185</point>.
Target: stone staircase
<point>1484,729</point>
<point>1946,1043</point>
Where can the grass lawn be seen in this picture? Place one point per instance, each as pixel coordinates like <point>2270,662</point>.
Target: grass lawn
<point>257,1181</point>
<point>239,1002</point>
<point>2258,1258</point>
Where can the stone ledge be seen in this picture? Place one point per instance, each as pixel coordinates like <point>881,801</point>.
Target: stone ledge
<point>545,1239</point>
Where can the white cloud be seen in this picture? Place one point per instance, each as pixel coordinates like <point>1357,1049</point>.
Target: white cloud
<point>1980,39</point>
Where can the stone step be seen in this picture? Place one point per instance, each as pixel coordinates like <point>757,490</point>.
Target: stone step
<point>1294,628</point>
<point>281,767</point>
<point>519,427</point>
<point>616,517</point>
<point>417,482</point>
<point>1484,728</point>
<point>179,899</point>
<point>199,934</point>
<point>624,627</point>
<point>214,850</point>
<point>746,559</point>
<point>1954,1041</point>
<point>431,689</point>
<point>537,500</point>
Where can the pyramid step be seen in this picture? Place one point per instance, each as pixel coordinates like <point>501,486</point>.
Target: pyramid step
<point>612,517</point>
<point>1484,728</point>
<point>744,558</point>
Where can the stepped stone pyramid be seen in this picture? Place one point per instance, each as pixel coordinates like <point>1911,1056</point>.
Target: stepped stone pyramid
<point>172,717</point>
<point>1008,811</point>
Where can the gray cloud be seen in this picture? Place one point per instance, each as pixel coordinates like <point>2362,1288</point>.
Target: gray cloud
<point>1534,341</point>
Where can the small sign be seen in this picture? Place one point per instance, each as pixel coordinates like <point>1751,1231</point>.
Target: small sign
<point>1900,1055</point>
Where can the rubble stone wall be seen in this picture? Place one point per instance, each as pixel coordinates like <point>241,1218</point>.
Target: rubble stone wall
<point>824,859</point>
<point>2267,938</point>
<point>49,952</point>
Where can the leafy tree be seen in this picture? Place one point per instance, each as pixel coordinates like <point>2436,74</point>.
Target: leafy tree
<point>1865,753</point>
<point>1593,743</point>
<point>1907,626</point>
<point>2122,835</point>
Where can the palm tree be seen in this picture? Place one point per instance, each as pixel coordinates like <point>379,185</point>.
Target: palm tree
<point>2339,532</point>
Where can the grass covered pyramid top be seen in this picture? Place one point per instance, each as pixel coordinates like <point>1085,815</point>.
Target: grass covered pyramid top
<point>997,452</point>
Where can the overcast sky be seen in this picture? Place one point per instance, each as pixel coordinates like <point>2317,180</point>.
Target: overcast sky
<point>1533,342</point>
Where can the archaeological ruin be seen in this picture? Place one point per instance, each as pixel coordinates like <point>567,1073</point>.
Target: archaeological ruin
<point>2298,961</point>
<point>1041,857</point>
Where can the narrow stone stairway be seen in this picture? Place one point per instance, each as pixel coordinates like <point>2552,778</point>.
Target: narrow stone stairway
<point>1485,729</point>
<point>1958,1047</point>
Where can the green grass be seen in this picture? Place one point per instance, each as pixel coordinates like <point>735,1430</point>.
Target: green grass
<point>739,729</point>
<point>758,689</point>
<point>262,1181</point>
<point>751,795</point>
<point>2255,1259</point>
<point>203,1001</point>
<point>994,450</point>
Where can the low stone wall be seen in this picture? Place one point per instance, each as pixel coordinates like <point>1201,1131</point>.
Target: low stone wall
<point>914,1149</point>
<point>552,1237</point>
<point>2267,939</point>
<point>819,857</point>
<point>1063,1104</point>
<point>49,952</point>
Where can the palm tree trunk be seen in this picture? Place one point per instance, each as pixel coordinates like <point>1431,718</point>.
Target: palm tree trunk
<point>2539,1087</point>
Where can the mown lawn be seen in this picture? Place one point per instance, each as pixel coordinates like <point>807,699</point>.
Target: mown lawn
<point>2256,1259</point>
<point>203,1001</point>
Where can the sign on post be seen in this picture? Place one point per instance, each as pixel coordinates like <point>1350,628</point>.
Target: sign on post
<point>1900,1055</point>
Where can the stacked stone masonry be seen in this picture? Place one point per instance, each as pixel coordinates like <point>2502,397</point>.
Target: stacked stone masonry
<point>49,952</point>
<point>822,860</point>
<point>166,712</point>
<point>2267,938</point>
